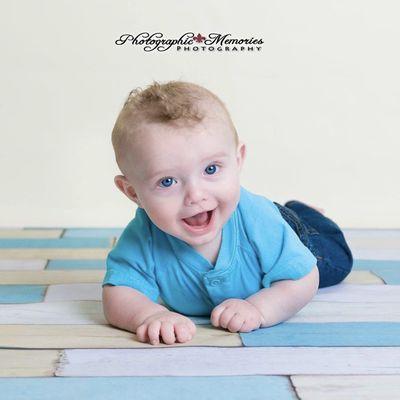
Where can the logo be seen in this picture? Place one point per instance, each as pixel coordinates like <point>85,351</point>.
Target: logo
<point>212,42</point>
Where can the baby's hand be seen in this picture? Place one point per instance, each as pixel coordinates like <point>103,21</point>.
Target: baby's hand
<point>237,315</point>
<point>171,326</point>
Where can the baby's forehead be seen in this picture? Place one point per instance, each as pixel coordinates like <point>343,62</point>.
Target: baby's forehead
<point>158,137</point>
<point>159,145</point>
<point>175,138</point>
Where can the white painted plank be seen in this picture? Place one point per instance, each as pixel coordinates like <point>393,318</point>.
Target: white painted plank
<point>74,292</point>
<point>78,291</point>
<point>351,293</point>
<point>90,312</point>
<point>325,311</point>
<point>73,312</point>
<point>380,243</point>
<point>15,264</point>
<point>368,233</point>
<point>229,361</point>
<point>337,387</point>
<point>376,254</point>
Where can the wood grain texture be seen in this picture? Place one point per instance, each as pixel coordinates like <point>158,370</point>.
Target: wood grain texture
<point>347,312</point>
<point>13,294</point>
<point>327,334</point>
<point>74,292</point>
<point>93,232</point>
<point>363,278</point>
<point>359,293</point>
<point>100,336</point>
<point>51,277</point>
<point>377,254</point>
<point>22,265</point>
<point>345,387</point>
<point>72,312</point>
<point>19,363</point>
<point>373,243</point>
<point>81,253</point>
<point>212,361</point>
<point>61,243</point>
<point>149,388</point>
<point>31,233</point>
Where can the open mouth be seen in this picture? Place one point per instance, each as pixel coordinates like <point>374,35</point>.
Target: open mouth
<point>199,221</point>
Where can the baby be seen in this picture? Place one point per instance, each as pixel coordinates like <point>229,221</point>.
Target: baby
<point>200,241</point>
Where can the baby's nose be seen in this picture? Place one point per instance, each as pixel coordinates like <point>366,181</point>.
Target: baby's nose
<point>195,196</point>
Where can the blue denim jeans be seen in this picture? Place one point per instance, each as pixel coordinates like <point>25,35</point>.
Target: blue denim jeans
<point>323,238</point>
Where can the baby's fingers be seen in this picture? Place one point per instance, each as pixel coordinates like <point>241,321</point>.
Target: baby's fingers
<point>248,327</point>
<point>226,317</point>
<point>192,328</point>
<point>235,323</point>
<point>167,332</point>
<point>183,333</point>
<point>141,333</point>
<point>216,314</point>
<point>153,332</point>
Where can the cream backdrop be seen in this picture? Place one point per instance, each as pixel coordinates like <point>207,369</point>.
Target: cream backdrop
<point>318,107</point>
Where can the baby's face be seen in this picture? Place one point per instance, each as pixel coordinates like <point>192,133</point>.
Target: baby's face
<point>180,172</point>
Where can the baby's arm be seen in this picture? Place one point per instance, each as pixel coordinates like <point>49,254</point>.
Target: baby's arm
<point>285,298</point>
<point>129,309</point>
<point>267,307</point>
<point>126,308</point>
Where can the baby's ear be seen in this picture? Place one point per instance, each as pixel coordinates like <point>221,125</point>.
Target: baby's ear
<point>241,154</point>
<point>126,188</point>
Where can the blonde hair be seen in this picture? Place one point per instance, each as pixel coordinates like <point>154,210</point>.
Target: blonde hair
<point>174,102</point>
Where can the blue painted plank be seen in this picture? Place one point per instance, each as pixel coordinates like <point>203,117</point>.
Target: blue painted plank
<point>148,388</point>
<point>93,232</point>
<point>56,243</point>
<point>200,320</point>
<point>327,334</point>
<point>12,294</point>
<point>388,270</point>
<point>391,276</point>
<point>76,264</point>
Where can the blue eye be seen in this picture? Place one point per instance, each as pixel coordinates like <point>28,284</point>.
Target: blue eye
<point>211,169</point>
<point>168,182</point>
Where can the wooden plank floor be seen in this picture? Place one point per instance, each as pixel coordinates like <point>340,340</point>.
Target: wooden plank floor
<point>345,344</point>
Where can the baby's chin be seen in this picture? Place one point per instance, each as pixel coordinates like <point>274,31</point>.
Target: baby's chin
<point>204,241</point>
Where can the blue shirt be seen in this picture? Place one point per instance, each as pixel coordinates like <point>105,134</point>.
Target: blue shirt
<point>258,247</point>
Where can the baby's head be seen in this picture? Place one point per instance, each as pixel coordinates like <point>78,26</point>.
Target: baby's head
<point>180,155</point>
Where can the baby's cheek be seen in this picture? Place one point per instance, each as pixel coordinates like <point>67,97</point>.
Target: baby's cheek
<point>229,197</point>
<point>162,216</point>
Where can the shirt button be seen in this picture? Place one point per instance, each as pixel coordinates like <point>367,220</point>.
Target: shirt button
<point>215,282</point>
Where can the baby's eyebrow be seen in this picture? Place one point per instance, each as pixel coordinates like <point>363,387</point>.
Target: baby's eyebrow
<point>221,154</point>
